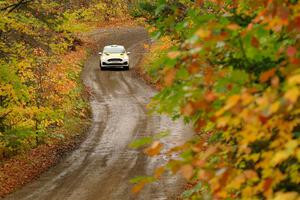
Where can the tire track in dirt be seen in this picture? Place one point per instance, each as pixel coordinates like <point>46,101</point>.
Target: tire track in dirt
<point>103,165</point>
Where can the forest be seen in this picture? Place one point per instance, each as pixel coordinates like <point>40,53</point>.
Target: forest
<point>41,95</point>
<point>231,68</point>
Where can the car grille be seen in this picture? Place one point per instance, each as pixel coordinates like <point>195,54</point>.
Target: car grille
<point>113,64</point>
<point>114,60</point>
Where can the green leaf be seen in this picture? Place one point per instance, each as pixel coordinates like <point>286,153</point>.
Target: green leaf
<point>161,135</point>
<point>141,142</point>
<point>138,179</point>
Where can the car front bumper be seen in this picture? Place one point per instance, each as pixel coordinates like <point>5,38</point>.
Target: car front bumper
<point>114,64</point>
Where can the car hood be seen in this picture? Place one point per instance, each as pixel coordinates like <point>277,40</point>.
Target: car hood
<point>114,55</point>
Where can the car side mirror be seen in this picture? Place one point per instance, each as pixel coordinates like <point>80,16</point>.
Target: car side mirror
<point>100,53</point>
<point>128,53</point>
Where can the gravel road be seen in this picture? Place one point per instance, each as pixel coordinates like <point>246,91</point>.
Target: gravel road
<point>100,169</point>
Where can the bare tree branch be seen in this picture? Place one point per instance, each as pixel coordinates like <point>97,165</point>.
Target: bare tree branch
<point>12,7</point>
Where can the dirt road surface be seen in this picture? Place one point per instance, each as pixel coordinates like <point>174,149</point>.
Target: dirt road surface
<point>100,169</point>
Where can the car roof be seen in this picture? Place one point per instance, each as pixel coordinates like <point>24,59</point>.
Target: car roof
<point>115,46</point>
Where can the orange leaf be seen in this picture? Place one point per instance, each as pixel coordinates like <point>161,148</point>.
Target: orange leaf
<point>210,96</point>
<point>267,75</point>
<point>250,174</point>
<point>187,171</point>
<point>200,124</point>
<point>154,149</point>
<point>208,75</point>
<point>173,54</point>
<point>267,185</point>
<point>194,68</point>
<point>210,151</point>
<point>233,27</point>
<point>138,187</point>
<point>204,175</point>
<point>275,81</point>
<point>169,77</point>
<point>200,2</point>
<point>158,172</point>
<point>201,104</point>
<point>188,110</point>
<point>200,163</point>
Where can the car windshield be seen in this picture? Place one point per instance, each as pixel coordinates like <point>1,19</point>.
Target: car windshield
<point>114,49</point>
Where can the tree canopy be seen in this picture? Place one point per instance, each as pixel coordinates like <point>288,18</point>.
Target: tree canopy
<point>40,90</point>
<point>233,72</point>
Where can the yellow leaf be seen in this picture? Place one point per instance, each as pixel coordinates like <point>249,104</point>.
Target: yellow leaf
<point>146,46</point>
<point>292,95</point>
<point>291,145</point>
<point>279,157</point>
<point>286,196</point>
<point>223,121</point>
<point>248,192</point>
<point>274,107</point>
<point>294,79</point>
<point>237,182</point>
<point>246,99</point>
<point>203,33</point>
<point>298,155</point>
<point>220,112</point>
<point>232,101</point>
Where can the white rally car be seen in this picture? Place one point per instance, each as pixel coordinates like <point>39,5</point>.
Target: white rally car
<point>114,56</point>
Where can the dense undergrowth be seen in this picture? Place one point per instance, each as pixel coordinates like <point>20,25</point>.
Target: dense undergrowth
<point>41,95</point>
<point>232,70</point>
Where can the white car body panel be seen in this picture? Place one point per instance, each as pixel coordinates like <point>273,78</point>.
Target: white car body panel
<point>112,58</point>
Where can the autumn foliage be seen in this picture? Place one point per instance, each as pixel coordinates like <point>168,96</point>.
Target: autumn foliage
<point>41,95</point>
<point>234,73</point>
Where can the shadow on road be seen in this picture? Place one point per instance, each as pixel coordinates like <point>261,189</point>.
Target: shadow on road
<point>114,69</point>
